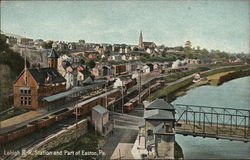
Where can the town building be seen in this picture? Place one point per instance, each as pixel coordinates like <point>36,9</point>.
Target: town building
<point>101,71</point>
<point>25,42</point>
<point>52,59</point>
<point>115,57</point>
<point>33,84</point>
<point>145,45</point>
<point>118,69</point>
<point>156,131</point>
<point>11,41</point>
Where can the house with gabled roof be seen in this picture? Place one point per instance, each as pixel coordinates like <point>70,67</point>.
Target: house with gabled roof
<point>159,104</point>
<point>35,83</point>
<point>156,130</point>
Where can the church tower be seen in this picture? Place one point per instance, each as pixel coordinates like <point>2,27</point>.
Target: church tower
<point>52,59</point>
<point>140,45</point>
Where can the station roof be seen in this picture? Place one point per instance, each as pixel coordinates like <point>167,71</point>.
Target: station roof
<point>67,93</point>
<point>159,104</point>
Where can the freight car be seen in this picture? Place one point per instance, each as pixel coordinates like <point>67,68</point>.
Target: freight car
<point>134,102</point>
<point>82,109</point>
<point>130,83</point>
<point>86,106</point>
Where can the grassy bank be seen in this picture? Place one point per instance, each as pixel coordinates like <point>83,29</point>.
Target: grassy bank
<point>220,78</point>
<point>171,92</point>
<point>176,76</point>
<point>225,70</point>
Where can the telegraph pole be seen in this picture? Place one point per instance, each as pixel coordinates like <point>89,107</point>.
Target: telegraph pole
<point>140,84</point>
<point>76,119</point>
<point>122,98</point>
<point>106,98</point>
<point>149,86</point>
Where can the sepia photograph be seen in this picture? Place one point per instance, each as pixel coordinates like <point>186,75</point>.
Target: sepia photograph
<point>124,79</point>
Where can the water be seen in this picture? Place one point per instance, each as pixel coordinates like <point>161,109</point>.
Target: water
<point>235,94</point>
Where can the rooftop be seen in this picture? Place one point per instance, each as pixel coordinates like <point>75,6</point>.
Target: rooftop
<point>67,93</point>
<point>100,109</point>
<point>53,54</point>
<point>41,75</point>
<point>158,114</point>
<point>158,104</point>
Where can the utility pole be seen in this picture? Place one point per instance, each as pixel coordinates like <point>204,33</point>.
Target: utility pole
<point>76,119</point>
<point>122,98</point>
<point>140,85</point>
<point>149,94</point>
<point>106,98</point>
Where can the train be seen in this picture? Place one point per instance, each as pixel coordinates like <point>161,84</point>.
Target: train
<point>79,109</point>
<point>135,101</point>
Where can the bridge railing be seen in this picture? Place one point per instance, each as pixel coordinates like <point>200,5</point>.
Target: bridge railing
<point>221,120</point>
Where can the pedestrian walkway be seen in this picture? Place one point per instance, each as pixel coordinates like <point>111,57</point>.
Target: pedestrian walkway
<point>20,118</point>
<point>123,151</point>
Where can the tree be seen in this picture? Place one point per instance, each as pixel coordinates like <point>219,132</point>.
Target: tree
<point>47,45</point>
<point>204,51</point>
<point>82,61</point>
<point>198,49</point>
<point>91,64</point>
<point>3,45</point>
<point>188,49</point>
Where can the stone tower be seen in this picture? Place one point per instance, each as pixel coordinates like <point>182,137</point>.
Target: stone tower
<point>140,45</point>
<point>52,59</point>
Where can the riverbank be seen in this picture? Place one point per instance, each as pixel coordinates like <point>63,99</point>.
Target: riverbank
<point>220,78</point>
<point>232,94</point>
<point>183,84</point>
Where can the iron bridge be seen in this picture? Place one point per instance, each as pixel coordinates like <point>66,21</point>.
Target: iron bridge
<point>213,122</point>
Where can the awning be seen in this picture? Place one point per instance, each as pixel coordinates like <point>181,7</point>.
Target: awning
<point>68,93</point>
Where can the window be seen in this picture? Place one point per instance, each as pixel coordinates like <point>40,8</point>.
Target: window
<point>150,132</point>
<point>25,90</point>
<point>21,101</point>
<point>29,101</point>
<point>26,101</point>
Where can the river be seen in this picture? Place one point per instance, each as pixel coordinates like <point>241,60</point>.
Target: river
<point>236,94</point>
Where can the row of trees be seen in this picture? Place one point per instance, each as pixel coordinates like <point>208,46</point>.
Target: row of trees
<point>197,52</point>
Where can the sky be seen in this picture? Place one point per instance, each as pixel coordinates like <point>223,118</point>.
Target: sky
<point>211,24</point>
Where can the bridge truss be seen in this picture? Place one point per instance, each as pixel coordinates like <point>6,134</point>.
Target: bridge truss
<point>214,122</point>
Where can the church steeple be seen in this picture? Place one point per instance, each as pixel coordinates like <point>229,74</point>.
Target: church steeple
<point>140,45</point>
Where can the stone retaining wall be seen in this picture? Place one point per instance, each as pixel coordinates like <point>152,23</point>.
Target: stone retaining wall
<point>63,136</point>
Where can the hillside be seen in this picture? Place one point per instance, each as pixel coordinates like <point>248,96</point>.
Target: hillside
<point>11,64</point>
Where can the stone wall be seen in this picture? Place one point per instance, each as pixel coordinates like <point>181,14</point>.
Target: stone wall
<point>64,136</point>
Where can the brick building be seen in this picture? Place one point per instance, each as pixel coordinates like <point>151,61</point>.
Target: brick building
<point>119,69</point>
<point>33,84</point>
